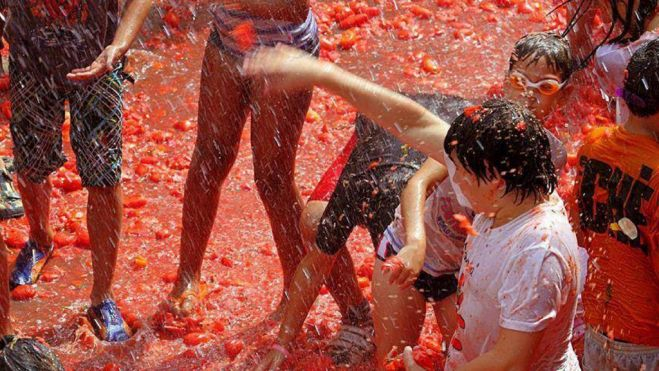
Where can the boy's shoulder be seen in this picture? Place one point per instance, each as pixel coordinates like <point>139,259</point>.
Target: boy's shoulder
<point>548,225</point>
<point>596,135</point>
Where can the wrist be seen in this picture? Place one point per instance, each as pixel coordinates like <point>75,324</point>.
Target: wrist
<point>416,243</point>
<point>121,47</point>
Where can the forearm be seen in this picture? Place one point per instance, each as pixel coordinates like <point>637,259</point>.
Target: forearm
<point>413,199</point>
<point>402,117</point>
<point>412,205</point>
<point>309,277</point>
<point>131,23</point>
<point>490,362</point>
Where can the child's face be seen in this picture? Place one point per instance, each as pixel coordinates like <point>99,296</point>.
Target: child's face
<point>483,197</point>
<point>534,85</point>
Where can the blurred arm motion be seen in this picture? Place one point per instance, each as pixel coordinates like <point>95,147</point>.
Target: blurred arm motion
<point>287,68</point>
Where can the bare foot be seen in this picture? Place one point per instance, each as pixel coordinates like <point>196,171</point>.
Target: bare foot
<point>280,310</point>
<point>186,302</point>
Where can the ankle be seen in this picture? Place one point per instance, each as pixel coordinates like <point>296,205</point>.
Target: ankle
<point>44,240</point>
<point>99,298</point>
<point>358,315</point>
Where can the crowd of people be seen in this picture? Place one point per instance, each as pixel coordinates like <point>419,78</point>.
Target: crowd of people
<point>459,197</point>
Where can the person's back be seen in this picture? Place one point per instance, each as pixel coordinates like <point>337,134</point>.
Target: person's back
<point>618,204</point>
<point>375,145</point>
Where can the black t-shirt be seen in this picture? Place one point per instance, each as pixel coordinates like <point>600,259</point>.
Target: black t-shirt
<point>49,38</point>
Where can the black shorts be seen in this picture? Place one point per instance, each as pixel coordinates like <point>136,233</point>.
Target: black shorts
<point>96,126</point>
<point>362,198</point>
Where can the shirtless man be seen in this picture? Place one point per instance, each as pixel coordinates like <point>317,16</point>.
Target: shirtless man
<point>226,99</point>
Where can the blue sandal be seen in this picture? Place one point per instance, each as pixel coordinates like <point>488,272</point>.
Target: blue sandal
<point>107,322</point>
<point>29,264</point>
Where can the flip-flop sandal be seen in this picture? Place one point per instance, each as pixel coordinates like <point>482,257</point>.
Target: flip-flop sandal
<point>107,322</point>
<point>29,265</point>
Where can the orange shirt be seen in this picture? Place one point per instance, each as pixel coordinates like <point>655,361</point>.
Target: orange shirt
<point>618,197</point>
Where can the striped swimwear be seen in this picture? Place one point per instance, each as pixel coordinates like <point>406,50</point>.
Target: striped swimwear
<point>269,32</point>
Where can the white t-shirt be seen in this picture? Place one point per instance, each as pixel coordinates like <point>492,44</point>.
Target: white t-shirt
<point>444,237</point>
<point>522,276</point>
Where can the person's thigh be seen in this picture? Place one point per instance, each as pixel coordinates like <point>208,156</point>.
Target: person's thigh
<point>342,214</point>
<point>277,121</point>
<point>311,215</point>
<point>399,314</point>
<point>447,316</point>
<point>223,107</point>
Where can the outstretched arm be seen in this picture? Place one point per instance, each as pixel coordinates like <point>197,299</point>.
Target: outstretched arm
<point>288,68</point>
<point>513,351</point>
<point>129,27</point>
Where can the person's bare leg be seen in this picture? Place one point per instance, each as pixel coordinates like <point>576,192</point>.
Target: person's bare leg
<point>5,320</point>
<point>104,221</point>
<point>342,282</point>
<point>222,115</point>
<point>398,315</point>
<point>447,318</point>
<point>278,119</point>
<point>36,201</point>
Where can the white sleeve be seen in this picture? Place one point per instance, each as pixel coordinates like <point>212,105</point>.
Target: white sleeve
<point>533,290</point>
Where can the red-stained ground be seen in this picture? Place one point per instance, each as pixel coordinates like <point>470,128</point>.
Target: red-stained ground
<point>456,46</point>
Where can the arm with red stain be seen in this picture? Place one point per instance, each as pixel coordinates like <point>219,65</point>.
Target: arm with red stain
<point>287,68</point>
<point>513,351</point>
<point>412,204</point>
<point>129,27</point>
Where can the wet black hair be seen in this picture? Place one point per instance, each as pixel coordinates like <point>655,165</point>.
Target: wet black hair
<point>641,92</point>
<point>501,138</point>
<point>632,22</point>
<point>554,48</point>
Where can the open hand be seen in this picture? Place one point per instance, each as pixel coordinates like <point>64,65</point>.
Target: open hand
<point>105,63</point>
<point>405,267</point>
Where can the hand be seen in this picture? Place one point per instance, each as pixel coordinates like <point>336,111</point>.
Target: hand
<point>103,64</point>
<point>405,267</point>
<point>272,361</point>
<point>408,360</point>
<point>284,68</point>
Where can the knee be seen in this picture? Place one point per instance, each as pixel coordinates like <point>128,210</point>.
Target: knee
<point>310,219</point>
<point>272,181</point>
<point>213,159</point>
<point>330,239</point>
<point>109,195</point>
